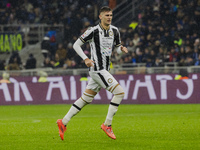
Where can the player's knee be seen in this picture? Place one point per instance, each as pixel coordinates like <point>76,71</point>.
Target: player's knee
<point>86,97</point>
<point>117,90</point>
<point>118,98</point>
<point>118,94</point>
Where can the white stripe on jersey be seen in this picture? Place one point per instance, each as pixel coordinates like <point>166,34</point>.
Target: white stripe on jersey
<point>102,43</point>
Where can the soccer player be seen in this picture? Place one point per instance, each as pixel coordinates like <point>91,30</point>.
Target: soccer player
<point>103,39</point>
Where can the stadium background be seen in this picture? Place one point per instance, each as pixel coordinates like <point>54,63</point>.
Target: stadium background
<point>157,33</point>
<point>36,38</point>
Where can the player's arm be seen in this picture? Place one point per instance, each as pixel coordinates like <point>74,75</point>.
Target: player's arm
<point>77,47</point>
<point>121,49</point>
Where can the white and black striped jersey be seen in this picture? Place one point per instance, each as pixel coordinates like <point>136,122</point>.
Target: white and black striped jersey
<point>102,43</point>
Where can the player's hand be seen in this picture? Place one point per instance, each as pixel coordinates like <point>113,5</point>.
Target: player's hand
<point>124,49</point>
<point>89,62</point>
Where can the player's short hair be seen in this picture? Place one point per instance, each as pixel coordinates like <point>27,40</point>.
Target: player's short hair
<point>105,9</point>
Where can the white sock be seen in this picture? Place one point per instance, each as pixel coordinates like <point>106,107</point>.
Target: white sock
<point>111,112</point>
<point>113,107</point>
<point>75,108</point>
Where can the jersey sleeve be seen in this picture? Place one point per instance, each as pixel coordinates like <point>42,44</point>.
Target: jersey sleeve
<point>77,47</point>
<point>87,35</point>
<point>117,38</point>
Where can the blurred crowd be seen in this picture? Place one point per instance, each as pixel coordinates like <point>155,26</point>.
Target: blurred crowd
<point>163,31</point>
<point>166,31</point>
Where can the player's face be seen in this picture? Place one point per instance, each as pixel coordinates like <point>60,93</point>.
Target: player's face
<point>106,18</point>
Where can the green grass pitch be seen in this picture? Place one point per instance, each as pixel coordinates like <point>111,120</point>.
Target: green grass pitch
<point>137,127</point>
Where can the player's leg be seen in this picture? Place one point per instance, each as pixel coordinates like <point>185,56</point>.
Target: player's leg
<point>113,107</point>
<point>85,99</point>
<point>107,81</point>
<point>118,93</point>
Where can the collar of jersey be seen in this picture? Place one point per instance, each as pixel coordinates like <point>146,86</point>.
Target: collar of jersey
<point>102,27</point>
